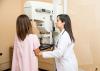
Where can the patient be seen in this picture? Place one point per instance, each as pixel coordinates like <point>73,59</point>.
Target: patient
<point>26,45</point>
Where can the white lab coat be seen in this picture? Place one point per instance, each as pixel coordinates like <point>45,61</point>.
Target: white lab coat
<point>64,54</point>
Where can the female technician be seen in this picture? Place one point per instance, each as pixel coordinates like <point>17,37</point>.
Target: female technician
<point>63,53</point>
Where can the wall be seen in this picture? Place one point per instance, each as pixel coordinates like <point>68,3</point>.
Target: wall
<point>85,21</point>
<point>9,10</point>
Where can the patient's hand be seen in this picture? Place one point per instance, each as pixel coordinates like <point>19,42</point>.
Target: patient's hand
<point>37,51</point>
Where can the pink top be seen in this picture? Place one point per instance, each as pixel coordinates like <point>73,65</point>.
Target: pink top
<point>24,58</point>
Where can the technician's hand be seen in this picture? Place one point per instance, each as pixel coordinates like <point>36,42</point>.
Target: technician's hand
<point>40,54</point>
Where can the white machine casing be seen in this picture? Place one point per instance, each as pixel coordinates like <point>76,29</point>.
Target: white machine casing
<point>41,12</point>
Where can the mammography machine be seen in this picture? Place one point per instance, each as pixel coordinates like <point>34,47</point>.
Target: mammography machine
<point>44,15</point>
<point>41,13</point>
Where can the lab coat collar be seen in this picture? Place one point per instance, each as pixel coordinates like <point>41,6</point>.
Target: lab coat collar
<point>62,32</point>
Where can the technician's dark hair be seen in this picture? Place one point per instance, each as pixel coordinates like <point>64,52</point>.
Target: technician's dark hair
<point>23,26</point>
<point>67,26</point>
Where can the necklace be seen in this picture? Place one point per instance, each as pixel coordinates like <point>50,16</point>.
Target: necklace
<point>59,38</point>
